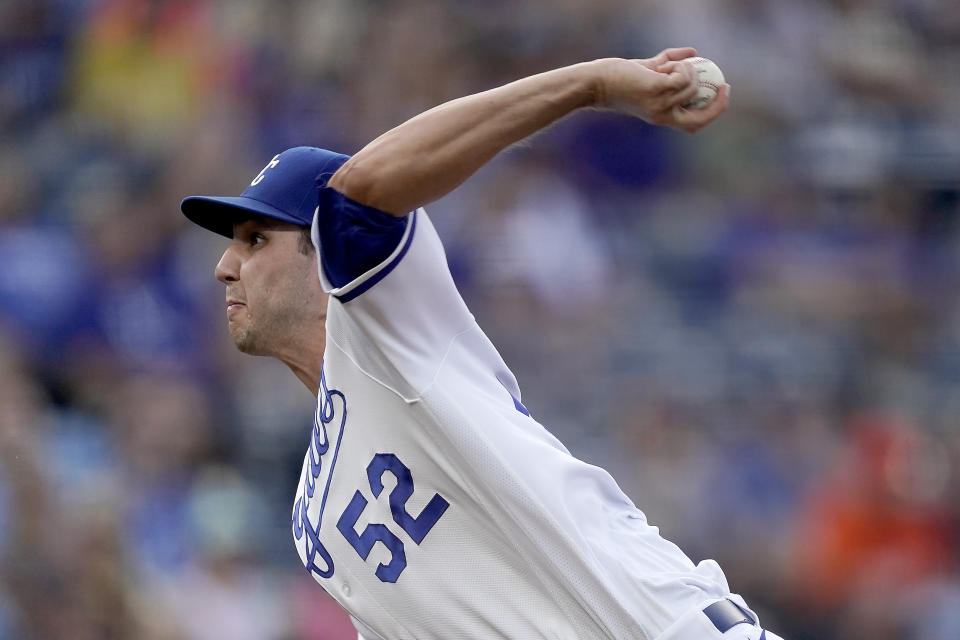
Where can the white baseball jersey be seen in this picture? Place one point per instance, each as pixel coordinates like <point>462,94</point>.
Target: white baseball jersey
<point>431,505</point>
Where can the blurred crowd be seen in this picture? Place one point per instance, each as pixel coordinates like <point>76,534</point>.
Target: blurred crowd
<point>756,329</point>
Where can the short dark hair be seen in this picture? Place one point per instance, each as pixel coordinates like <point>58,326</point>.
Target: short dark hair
<point>305,243</point>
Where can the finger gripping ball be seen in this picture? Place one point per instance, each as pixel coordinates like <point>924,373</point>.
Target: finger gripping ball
<point>709,81</point>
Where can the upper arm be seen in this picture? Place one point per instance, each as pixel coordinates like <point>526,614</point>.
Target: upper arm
<point>342,181</point>
<point>361,181</point>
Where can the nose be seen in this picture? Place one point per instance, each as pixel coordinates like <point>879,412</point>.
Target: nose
<point>228,269</point>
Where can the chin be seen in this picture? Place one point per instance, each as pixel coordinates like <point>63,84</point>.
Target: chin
<point>246,341</point>
<point>245,347</point>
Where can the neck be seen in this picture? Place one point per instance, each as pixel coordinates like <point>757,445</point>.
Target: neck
<point>305,360</point>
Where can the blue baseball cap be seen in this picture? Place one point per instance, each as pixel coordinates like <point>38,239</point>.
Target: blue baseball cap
<point>286,189</point>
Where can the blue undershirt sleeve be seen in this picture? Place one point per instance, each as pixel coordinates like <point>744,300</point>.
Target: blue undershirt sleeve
<point>354,238</point>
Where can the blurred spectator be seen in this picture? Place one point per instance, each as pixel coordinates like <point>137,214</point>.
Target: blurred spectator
<point>878,528</point>
<point>64,543</point>
<point>224,592</point>
<point>537,236</point>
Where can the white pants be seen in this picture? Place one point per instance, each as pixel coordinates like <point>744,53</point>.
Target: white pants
<point>695,625</point>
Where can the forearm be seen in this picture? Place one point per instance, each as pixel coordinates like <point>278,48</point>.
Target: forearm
<point>428,156</point>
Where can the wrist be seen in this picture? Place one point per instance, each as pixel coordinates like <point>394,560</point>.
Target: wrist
<point>599,73</point>
<point>586,80</point>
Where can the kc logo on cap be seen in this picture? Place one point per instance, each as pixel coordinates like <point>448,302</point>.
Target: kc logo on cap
<point>270,165</point>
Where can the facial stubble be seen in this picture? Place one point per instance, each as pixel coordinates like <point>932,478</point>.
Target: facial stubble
<point>271,327</point>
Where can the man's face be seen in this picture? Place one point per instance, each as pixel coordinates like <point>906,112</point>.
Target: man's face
<point>273,292</point>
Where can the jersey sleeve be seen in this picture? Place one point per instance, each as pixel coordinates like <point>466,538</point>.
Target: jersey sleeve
<point>394,309</point>
<point>355,238</point>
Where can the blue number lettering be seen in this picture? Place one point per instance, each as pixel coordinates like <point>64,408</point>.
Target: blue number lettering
<point>371,535</point>
<point>417,527</point>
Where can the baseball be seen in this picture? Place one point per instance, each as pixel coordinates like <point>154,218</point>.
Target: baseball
<point>709,80</point>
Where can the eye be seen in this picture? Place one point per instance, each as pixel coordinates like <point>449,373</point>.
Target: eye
<point>256,238</point>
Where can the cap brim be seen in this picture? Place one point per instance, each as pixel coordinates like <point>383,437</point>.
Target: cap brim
<point>218,214</point>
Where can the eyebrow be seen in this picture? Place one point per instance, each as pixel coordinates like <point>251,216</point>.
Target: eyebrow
<point>262,221</point>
